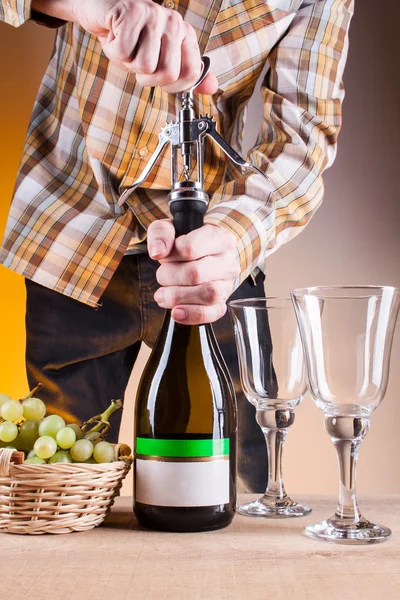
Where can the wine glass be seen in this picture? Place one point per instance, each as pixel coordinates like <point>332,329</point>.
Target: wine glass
<point>272,375</point>
<point>347,334</point>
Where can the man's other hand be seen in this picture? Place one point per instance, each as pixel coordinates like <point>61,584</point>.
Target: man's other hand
<point>197,271</point>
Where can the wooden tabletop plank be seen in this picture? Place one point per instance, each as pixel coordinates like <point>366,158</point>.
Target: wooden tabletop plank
<point>251,559</point>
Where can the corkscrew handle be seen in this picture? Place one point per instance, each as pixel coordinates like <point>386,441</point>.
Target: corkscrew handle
<point>206,68</point>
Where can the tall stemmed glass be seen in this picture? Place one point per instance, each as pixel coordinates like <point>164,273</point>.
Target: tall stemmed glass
<point>273,378</point>
<point>347,334</point>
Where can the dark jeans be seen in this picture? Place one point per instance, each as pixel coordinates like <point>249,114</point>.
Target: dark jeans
<point>84,356</point>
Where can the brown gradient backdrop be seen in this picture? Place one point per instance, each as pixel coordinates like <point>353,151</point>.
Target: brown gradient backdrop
<point>354,238</point>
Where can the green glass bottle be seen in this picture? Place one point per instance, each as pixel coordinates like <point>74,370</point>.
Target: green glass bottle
<point>185,423</point>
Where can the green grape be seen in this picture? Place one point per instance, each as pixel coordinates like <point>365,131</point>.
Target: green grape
<point>12,448</point>
<point>34,409</point>
<point>11,411</point>
<point>8,432</point>
<point>91,461</point>
<point>34,460</point>
<point>51,425</point>
<point>103,452</point>
<point>31,454</point>
<point>61,457</point>
<point>81,450</point>
<point>4,398</point>
<point>66,438</point>
<point>20,443</point>
<point>29,433</point>
<point>77,429</point>
<point>93,436</point>
<point>45,446</point>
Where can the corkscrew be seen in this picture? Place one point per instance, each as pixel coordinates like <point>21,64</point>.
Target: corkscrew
<point>187,136</point>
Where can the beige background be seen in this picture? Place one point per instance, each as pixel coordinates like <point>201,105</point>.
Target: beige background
<point>352,239</point>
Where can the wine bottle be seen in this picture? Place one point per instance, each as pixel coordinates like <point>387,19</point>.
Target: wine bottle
<point>185,423</point>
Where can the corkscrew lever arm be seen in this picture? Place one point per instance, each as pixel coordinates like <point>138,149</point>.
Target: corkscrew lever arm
<point>229,151</point>
<point>162,141</point>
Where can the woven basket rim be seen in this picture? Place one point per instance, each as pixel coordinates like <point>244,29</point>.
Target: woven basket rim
<point>89,466</point>
<point>75,464</point>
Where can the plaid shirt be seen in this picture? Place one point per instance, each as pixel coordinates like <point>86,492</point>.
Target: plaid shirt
<point>94,127</point>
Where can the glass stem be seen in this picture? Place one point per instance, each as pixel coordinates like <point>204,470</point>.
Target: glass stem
<point>347,455</point>
<point>275,439</point>
<point>348,434</point>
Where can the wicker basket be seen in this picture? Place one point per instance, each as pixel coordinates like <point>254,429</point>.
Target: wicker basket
<point>56,498</point>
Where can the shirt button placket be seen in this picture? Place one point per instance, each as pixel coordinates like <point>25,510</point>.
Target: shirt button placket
<point>143,152</point>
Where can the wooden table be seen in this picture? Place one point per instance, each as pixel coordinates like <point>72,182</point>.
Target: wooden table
<point>252,559</point>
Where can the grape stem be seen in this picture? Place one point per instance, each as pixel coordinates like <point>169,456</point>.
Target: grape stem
<point>101,421</point>
<point>32,392</point>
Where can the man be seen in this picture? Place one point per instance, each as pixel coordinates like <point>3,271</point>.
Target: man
<point>113,80</point>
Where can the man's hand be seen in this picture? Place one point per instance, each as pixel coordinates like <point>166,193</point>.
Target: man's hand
<point>141,37</point>
<point>197,271</point>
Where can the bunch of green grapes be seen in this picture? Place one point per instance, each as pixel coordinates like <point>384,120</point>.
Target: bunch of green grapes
<point>24,426</point>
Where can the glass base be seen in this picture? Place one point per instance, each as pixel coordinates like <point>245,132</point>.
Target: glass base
<point>272,508</point>
<point>342,531</point>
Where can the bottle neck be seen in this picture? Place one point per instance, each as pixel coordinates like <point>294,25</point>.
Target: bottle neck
<point>170,325</point>
<point>188,215</point>
<point>171,329</point>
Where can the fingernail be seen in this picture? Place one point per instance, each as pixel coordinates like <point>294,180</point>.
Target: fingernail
<point>159,298</point>
<point>180,314</point>
<point>157,247</point>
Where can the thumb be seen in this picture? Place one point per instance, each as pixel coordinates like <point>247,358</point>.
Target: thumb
<point>208,86</point>
<point>160,238</point>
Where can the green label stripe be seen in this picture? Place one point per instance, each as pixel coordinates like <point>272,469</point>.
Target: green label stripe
<point>182,448</point>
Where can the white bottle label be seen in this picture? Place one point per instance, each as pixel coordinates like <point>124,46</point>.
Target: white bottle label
<point>161,483</point>
<point>185,473</point>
